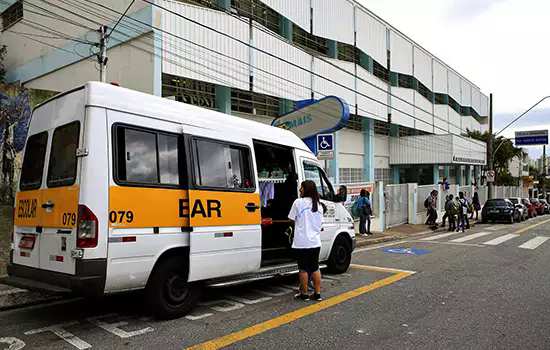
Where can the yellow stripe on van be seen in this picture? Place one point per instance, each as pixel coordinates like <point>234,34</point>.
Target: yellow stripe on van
<point>63,213</point>
<point>136,207</point>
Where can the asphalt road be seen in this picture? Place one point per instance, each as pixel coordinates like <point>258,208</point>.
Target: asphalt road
<point>486,291</point>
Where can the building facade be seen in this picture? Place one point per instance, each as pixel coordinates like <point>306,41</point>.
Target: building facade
<point>255,59</point>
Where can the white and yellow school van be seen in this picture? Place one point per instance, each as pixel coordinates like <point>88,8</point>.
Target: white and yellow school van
<point>121,190</point>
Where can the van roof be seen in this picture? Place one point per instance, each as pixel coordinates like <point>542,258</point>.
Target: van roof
<point>131,101</point>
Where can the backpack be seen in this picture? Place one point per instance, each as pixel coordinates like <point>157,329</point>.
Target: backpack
<point>427,202</point>
<point>355,210</point>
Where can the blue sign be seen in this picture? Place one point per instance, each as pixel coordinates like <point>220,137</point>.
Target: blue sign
<point>406,251</point>
<point>325,142</point>
<point>531,138</point>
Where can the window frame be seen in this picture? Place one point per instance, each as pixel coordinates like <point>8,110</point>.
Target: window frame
<point>31,188</point>
<point>182,159</point>
<point>322,176</point>
<point>192,159</point>
<point>64,184</point>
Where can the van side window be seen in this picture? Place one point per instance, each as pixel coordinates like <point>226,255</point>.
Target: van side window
<point>33,162</point>
<point>222,165</point>
<point>314,173</point>
<point>62,165</point>
<point>146,157</point>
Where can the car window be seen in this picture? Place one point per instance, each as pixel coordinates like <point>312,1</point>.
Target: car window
<point>62,165</point>
<point>33,162</point>
<point>314,173</point>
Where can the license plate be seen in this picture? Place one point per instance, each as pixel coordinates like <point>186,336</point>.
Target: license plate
<point>27,242</point>
<point>494,211</point>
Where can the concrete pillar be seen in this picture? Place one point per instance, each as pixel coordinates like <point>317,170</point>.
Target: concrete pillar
<point>368,141</point>
<point>459,175</point>
<point>224,4</point>
<point>436,174</point>
<point>468,179</point>
<point>332,49</point>
<point>285,106</point>
<point>286,29</point>
<point>447,172</point>
<point>223,99</point>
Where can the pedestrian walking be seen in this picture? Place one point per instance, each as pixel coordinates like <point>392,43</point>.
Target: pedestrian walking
<point>446,215</point>
<point>307,214</point>
<point>431,204</point>
<point>362,208</point>
<point>462,212</point>
<point>450,212</point>
<point>477,205</point>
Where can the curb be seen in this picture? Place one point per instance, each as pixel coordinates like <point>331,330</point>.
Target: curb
<point>373,241</point>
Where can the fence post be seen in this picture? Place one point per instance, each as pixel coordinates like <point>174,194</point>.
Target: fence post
<point>412,191</point>
<point>382,206</point>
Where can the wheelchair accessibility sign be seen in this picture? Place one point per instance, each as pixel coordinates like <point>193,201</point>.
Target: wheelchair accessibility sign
<point>406,251</point>
<point>325,146</point>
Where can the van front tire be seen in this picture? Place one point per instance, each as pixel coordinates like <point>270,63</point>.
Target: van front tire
<point>340,256</point>
<point>168,293</point>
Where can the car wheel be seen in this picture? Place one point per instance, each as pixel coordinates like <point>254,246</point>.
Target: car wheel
<point>340,256</point>
<point>168,293</point>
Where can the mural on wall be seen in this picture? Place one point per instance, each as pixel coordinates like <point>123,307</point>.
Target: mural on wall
<point>16,105</point>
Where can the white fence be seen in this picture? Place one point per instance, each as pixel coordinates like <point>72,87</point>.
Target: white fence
<point>397,204</point>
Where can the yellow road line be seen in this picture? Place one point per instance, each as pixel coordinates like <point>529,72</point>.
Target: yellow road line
<point>276,322</point>
<point>531,226</point>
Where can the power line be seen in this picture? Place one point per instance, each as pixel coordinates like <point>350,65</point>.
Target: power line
<point>120,18</point>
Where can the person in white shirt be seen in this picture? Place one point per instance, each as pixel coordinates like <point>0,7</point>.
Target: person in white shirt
<point>307,214</point>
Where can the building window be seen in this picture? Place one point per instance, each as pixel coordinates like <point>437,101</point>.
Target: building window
<point>348,53</point>
<point>33,162</point>
<point>204,3</point>
<point>254,103</point>
<point>405,81</point>
<point>195,92</point>
<point>259,12</point>
<point>383,174</point>
<point>355,122</point>
<point>440,99</point>
<point>454,105</point>
<point>424,91</point>
<point>381,128</point>
<point>381,72</point>
<point>12,15</point>
<point>309,42</point>
<point>351,175</point>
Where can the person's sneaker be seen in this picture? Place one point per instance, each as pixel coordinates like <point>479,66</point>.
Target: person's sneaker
<point>316,297</point>
<point>301,296</point>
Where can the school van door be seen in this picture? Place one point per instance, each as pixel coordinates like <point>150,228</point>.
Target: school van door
<point>47,200</point>
<point>223,209</point>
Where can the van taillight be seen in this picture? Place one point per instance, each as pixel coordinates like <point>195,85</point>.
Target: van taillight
<point>86,234</point>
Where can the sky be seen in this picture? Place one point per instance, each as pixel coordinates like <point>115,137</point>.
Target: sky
<point>499,45</point>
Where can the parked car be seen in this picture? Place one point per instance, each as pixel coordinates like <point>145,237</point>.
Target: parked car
<point>546,206</point>
<point>538,206</point>
<point>531,210</point>
<point>499,209</point>
<point>523,210</point>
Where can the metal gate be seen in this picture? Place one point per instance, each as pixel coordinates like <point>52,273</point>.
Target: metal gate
<point>397,204</point>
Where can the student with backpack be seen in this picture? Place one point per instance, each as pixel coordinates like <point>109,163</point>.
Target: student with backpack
<point>362,209</point>
<point>450,212</point>
<point>462,212</point>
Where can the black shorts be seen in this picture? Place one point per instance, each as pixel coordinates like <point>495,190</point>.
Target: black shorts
<point>308,259</point>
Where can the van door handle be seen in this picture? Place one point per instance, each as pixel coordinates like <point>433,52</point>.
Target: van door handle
<point>251,207</point>
<point>47,205</point>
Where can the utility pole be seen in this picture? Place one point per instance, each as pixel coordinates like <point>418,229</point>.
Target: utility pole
<point>102,55</point>
<point>544,171</point>
<point>490,147</point>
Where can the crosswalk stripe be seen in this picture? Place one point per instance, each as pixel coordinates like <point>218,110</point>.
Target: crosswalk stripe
<point>534,243</point>
<point>470,237</point>
<point>492,228</point>
<point>501,239</point>
<point>443,235</point>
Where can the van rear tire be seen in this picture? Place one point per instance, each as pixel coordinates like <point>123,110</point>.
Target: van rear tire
<point>168,293</point>
<point>340,256</point>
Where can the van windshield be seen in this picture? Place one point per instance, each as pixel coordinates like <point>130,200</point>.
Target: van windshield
<point>33,162</point>
<point>62,167</point>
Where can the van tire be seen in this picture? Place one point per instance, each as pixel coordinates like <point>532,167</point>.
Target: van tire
<point>340,256</point>
<point>168,293</point>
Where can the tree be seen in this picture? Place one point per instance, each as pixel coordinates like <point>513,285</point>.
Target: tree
<point>505,152</point>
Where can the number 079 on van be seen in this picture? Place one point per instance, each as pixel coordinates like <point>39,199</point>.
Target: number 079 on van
<point>121,190</point>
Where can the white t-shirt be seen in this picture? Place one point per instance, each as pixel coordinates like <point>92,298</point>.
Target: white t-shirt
<point>307,224</point>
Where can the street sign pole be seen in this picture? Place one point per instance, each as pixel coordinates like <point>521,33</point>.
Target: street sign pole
<point>544,171</point>
<point>490,147</point>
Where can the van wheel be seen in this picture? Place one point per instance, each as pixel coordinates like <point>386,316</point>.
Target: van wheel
<point>168,293</point>
<point>340,256</point>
